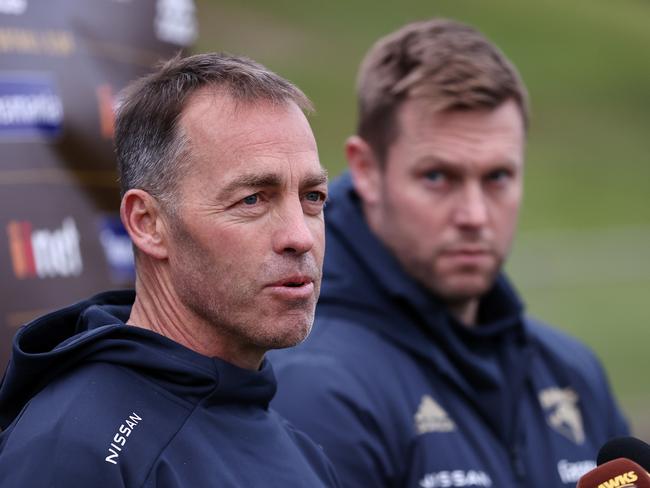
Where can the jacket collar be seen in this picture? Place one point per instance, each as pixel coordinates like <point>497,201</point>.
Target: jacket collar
<point>95,331</point>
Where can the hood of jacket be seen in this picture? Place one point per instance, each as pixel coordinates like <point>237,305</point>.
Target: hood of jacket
<point>94,330</point>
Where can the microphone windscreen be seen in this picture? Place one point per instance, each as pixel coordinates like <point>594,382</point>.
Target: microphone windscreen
<point>625,447</point>
<point>619,473</point>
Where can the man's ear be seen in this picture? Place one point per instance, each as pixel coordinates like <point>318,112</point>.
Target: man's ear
<point>142,218</point>
<point>364,169</point>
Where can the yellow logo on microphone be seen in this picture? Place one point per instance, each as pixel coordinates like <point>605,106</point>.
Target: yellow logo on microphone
<point>625,480</point>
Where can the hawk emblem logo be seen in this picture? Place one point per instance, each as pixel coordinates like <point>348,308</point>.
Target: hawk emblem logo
<point>562,412</point>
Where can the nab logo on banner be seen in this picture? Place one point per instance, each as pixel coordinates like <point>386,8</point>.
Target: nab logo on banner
<point>29,107</point>
<point>43,253</point>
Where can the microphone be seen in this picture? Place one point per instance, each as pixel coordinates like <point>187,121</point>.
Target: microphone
<point>626,447</point>
<point>619,473</point>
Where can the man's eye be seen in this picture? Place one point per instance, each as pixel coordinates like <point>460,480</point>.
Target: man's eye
<point>499,175</point>
<point>434,175</point>
<point>315,196</point>
<point>251,199</point>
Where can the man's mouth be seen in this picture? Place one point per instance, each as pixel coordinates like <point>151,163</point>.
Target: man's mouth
<point>294,281</point>
<point>297,287</point>
<point>294,284</point>
<point>467,249</point>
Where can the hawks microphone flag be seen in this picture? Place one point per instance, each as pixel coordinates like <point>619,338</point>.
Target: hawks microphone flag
<point>619,473</point>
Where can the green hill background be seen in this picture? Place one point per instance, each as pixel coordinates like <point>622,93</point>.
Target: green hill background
<point>582,258</point>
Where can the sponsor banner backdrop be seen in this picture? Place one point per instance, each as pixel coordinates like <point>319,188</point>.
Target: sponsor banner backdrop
<point>62,63</point>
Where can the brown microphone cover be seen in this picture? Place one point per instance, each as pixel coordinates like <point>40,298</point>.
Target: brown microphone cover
<point>618,473</point>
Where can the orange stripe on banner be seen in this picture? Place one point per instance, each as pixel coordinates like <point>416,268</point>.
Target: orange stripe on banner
<point>28,250</point>
<point>17,249</point>
<point>106,113</point>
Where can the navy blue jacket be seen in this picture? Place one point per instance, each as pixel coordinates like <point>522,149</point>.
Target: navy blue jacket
<point>88,401</point>
<point>400,395</point>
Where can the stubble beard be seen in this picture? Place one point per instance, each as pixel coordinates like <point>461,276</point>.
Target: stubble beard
<point>459,286</point>
<point>237,310</point>
<point>234,310</point>
<point>235,313</point>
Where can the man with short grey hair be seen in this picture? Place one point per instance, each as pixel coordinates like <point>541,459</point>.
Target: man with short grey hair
<point>423,370</point>
<point>222,196</point>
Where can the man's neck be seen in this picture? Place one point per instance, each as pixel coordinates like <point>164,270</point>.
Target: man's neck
<point>465,311</point>
<point>157,308</point>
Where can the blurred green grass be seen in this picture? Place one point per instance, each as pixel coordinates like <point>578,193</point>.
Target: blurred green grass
<point>582,259</point>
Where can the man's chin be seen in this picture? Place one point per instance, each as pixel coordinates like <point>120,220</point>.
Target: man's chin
<point>464,288</point>
<point>289,337</point>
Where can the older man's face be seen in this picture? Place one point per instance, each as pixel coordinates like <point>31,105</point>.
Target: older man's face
<point>248,238</point>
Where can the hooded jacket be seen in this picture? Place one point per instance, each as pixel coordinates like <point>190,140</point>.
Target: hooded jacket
<point>88,401</point>
<point>401,395</point>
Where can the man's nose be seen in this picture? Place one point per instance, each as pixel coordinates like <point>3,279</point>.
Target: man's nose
<point>471,209</point>
<point>292,234</point>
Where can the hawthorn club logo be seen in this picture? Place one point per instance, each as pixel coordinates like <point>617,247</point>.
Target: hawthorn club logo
<point>562,412</point>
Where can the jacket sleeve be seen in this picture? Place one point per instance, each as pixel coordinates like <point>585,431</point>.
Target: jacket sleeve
<point>52,459</point>
<point>337,412</point>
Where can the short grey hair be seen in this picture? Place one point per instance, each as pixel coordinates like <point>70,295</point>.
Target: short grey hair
<point>151,148</point>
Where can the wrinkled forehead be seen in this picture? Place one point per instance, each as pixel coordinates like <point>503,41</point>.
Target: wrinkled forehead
<point>227,139</point>
<point>212,120</point>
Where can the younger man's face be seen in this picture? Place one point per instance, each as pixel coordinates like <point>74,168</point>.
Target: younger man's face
<point>449,195</point>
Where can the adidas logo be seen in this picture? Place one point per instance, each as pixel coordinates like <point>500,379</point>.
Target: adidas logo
<point>431,417</point>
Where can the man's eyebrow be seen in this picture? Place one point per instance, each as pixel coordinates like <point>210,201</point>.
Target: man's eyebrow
<point>432,161</point>
<point>252,181</point>
<point>270,180</point>
<point>315,179</point>
<point>445,164</point>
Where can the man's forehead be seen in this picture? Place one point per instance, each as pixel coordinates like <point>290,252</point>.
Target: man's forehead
<point>275,177</point>
<point>220,101</point>
<point>209,111</point>
<point>497,131</point>
<point>417,113</point>
<point>253,145</point>
<point>210,118</point>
